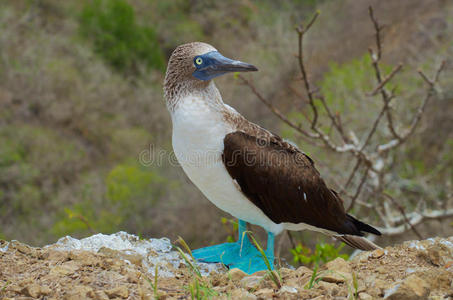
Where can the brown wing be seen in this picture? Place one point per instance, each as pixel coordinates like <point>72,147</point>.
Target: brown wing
<point>284,184</point>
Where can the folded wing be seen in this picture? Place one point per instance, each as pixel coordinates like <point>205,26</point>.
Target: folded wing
<point>283,182</point>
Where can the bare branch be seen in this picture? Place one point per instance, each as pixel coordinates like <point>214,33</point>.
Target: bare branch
<point>301,31</point>
<point>386,79</point>
<point>416,219</point>
<point>376,58</point>
<point>274,109</point>
<point>351,176</point>
<point>336,121</point>
<point>403,213</point>
<point>375,125</point>
<point>377,29</point>
<point>359,189</point>
<point>421,109</point>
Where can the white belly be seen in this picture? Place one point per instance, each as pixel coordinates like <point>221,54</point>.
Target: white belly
<point>198,134</point>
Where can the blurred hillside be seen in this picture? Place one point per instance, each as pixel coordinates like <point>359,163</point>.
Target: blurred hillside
<point>81,102</point>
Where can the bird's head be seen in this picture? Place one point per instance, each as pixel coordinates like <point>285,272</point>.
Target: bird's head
<point>198,63</point>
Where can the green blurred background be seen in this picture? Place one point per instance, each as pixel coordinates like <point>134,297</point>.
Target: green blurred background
<point>81,100</point>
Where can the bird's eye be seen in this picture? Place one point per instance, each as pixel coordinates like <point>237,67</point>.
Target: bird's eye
<point>198,60</point>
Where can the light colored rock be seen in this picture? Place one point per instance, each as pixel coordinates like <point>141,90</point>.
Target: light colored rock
<point>377,253</point>
<point>45,290</point>
<point>331,288</point>
<point>260,273</point>
<point>131,248</point>
<point>288,289</point>
<point>242,294</point>
<point>66,268</point>
<point>32,290</point>
<point>265,293</point>
<point>293,282</point>
<point>412,288</point>
<point>22,248</point>
<point>286,272</point>
<point>333,278</point>
<point>118,292</point>
<point>85,258</point>
<point>78,292</point>
<point>98,295</point>
<point>303,271</point>
<point>339,265</point>
<point>54,255</point>
<point>438,254</point>
<point>251,282</point>
<point>14,288</point>
<point>338,270</point>
<point>365,296</point>
<point>236,274</point>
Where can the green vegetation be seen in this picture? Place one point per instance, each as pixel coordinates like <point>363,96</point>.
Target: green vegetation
<point>345,87</point>
<point>323,253</point>
<point>117,38</point>
<point>130,188</point>
<point>199,288</point>
<point>154,284</point>
<point>314,279</point>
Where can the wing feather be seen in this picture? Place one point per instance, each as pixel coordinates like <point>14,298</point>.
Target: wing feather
<point>284,183</point>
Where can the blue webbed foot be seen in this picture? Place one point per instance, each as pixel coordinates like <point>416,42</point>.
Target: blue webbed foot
<point>225,253</point>
<point>242,254</point>
<point>253,262</point>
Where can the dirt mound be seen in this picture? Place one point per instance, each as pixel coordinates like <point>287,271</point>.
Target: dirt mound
<point>67,270</point>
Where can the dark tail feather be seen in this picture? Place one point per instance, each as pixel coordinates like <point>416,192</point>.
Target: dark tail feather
<point>357,242</point>
<point>362,226</point>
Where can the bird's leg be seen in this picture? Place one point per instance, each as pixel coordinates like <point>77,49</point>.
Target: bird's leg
<point>227,253</point>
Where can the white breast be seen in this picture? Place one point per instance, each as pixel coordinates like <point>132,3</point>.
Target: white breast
<point>198,133</point>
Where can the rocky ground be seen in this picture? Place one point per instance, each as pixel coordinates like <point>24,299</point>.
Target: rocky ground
<point>121,266</point>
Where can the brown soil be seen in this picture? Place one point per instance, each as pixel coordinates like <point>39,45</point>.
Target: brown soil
<point>413,270</point>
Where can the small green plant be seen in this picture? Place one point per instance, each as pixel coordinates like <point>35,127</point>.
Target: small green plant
<point>118,39</point>
<point>323,253</point>
<point>355,285</point>
<point>273,275</point>
<point>5,286</point>
<point>192,264</point>
<point>198,288</point>
<point>154,285</point>
<point>314,279</point>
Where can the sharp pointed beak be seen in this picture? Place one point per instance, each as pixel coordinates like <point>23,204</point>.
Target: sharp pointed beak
<point>216,64</point>
<point>224,64</point>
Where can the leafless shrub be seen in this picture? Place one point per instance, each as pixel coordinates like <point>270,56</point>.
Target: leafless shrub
<point>371,159</point>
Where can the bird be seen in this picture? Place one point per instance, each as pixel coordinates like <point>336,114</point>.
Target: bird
<point>244,169</point>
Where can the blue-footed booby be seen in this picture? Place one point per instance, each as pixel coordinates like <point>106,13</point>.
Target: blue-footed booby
<point>244,169</point>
